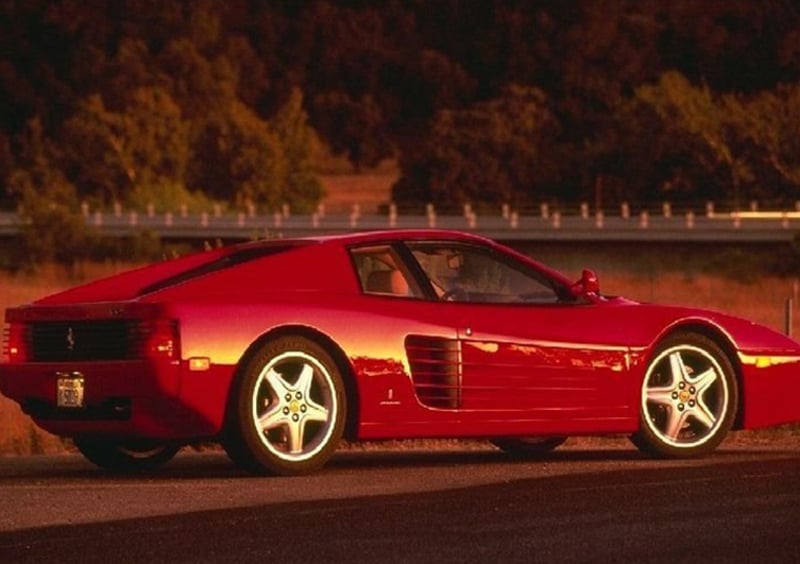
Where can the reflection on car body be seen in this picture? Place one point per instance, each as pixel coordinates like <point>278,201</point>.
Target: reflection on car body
<point>279,349</point>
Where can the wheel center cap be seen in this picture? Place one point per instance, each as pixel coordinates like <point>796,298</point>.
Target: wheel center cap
<point>684,395</point>
<point>294,407</point>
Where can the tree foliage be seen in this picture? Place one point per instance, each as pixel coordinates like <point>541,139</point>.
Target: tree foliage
<point>53,229</point>
<point>644,99</point>
<point>495,151</point>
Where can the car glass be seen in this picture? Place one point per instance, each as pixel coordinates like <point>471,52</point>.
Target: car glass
<point>470,274</point>
<point>381,271</point>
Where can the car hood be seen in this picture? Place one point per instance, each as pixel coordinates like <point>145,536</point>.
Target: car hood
<point>644,324</point>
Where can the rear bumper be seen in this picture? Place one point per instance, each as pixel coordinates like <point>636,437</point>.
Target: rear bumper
<point>121,399</point>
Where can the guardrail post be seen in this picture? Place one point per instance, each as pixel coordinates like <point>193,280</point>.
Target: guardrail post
<point>392,215</point>
<point>690,219</point>
<point>584,210</point>
<point>787,316</point>
<point>544,210</point>
<point>133,218</point>
<point>505,210</point>
<point>117,209</point>
<point>98,218</point>
<point>168,219</point>
<point>709,209</point>
<point>598,219</point>
<point>666,210</point>
<point>625,210</point>
<point>514,220</point>
<point>556,220</point>
<point>355,215</point>
<point>644,219</point>
<point>430,213</point>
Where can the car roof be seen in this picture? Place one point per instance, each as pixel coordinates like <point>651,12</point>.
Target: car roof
<point>389,235</point>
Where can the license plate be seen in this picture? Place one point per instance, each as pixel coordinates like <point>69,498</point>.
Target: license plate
<point>70,390</point>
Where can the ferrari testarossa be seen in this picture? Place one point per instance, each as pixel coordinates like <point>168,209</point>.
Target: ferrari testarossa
<point>279,348</point>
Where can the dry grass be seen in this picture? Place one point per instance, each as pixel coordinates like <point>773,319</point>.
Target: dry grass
<point>369,190</point>
<point>761,300</point>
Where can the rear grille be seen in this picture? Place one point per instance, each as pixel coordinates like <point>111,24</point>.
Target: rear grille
<point>55,341</point>
<point>435,368</point>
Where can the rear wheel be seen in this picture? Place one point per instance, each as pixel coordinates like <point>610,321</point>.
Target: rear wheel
<point>688,398</point>
<point>287,412</point>
<point>131,455</point>
<point>528,446</point>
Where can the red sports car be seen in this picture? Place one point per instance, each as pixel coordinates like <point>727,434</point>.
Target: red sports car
<point>280,348</point>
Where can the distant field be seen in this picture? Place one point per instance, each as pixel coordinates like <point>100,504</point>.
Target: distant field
<point>369,190</point>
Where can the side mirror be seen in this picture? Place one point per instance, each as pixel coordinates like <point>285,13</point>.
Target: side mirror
<point>588,284</point>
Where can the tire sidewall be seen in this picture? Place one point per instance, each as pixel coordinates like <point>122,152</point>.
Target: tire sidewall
<point>251,450</point>
<point>648,440</point>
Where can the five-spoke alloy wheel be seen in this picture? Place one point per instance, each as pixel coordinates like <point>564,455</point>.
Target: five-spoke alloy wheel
<point>688,398</point>
<point>287,412</point>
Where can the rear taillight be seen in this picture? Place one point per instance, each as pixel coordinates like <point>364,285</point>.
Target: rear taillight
<point>16,341</point>
<point>162,339</point>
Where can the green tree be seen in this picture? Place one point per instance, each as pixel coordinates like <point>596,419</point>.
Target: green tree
<point>768,123</point>
<point>495,151</point>
<point>131,155</point>
<point>695,112</point>
<point>53,228</point>
<point>302,189</point>
<point>237,155</point>
<point>353,126</point>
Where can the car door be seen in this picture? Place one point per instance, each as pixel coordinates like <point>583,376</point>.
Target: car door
<point>527,350</point>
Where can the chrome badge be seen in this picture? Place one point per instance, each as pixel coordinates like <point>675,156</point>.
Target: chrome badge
<point>70,340</point>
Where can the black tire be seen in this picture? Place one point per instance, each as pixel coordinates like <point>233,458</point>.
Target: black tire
<point>287,409</point>
<point>131,455</point>
<point>688,400</point>
<point>528,446</point>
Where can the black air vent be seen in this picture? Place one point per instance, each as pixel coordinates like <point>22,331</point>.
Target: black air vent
<point>56,341</point>
<point>435,368</point>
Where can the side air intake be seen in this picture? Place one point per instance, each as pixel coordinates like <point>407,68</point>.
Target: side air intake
<point>435,370</point>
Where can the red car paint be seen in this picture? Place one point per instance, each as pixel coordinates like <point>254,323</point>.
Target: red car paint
<point>508,369</point>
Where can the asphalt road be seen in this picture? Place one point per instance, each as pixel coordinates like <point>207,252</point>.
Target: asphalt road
<point>601,503</point>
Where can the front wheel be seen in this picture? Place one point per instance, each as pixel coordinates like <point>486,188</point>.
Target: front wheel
<point>688,398</point>
<point>287,411</point>
<point>131,455</point>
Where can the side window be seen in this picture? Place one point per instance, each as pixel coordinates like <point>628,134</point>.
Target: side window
<point>471,274</point>
<point>381,271</point>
